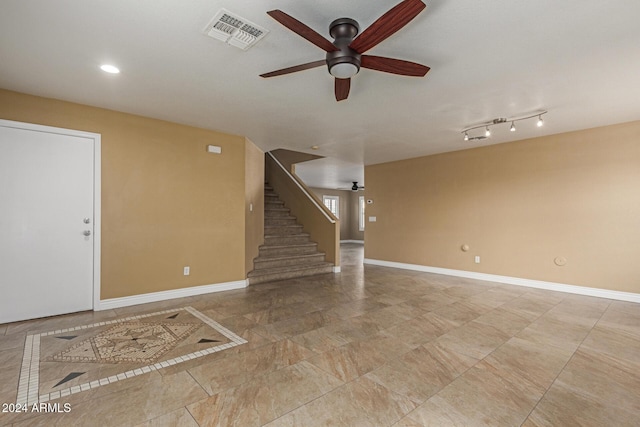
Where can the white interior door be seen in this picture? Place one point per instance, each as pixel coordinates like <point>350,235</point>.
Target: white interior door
<point>46,221</point>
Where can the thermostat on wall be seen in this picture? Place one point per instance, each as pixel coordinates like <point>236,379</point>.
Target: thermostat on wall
<point>214,149</point>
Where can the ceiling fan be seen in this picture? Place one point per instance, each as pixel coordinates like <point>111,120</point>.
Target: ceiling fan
<point>354,187</point>
<point>345,55</point>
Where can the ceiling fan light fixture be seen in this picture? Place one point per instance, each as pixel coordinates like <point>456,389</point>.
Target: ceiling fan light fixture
<point>344,70</point>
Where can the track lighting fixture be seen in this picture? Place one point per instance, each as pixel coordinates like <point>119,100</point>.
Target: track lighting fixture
<point>500,120</point>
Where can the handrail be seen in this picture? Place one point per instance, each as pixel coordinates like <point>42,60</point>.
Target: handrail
<point>333,221</point>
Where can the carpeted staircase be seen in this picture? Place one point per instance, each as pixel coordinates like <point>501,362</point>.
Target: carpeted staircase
<point>287,251</point>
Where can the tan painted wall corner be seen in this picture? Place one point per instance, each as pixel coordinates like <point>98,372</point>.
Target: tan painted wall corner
<point>166,202</point>
<point>254,202</point>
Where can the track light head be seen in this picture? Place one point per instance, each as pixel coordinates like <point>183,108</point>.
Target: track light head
<point>512,128</point>
<point>466,136</point>
<point>540,121</point>
<point>487,132</point>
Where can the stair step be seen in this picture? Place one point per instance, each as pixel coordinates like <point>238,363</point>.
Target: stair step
<point>276,220</point>
<point>269,204</point>
<point>282,273</point>
<point>281,217</point>
<point>284,250</point>
<point>263,263</point>
<point>280,230</point>
<point>293,239</point>
<point>276,212</point>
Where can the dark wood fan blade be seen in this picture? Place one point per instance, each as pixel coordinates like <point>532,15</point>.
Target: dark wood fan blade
<point>302,30</point>
<point>342,89</point>
<point>387,24</point>
<point>394,66</point>
<point>295,68</point>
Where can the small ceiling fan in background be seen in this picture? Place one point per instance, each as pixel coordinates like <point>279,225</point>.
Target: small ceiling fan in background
<point>345,55</point>
<point>354,187</point>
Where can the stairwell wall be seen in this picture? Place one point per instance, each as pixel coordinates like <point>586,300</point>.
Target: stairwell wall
<point>313,219</point>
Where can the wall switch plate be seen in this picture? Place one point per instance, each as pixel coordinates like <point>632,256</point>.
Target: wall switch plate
<point>214,149</point>
<point>372,219</point>
<point>250,207</point>
<point>187,270</point>
<point>477,259</point>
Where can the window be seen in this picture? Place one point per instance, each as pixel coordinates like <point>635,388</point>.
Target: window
<point>332,202</point>
<point>361,213</point>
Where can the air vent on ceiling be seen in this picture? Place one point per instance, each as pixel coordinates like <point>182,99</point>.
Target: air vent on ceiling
<point>234,30</point>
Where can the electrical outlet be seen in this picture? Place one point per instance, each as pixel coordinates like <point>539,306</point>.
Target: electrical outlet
<point>187,270</point>
<point>477,259</point>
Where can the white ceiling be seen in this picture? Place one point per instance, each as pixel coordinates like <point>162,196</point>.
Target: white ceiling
<point>579,59</point>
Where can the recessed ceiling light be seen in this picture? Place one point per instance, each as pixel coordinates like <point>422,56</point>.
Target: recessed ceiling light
<point>111,69</point>
<point>314,147</point>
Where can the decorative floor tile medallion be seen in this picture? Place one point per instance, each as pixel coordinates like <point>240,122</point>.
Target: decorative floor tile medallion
<point>128,342</point>
<point>67,361</point>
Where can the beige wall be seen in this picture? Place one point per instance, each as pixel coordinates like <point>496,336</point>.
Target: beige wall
<point>354,226</point>
<point>348,206</point>
<point>166,202</point>
<point>518,206</point>
<point>254,195</point>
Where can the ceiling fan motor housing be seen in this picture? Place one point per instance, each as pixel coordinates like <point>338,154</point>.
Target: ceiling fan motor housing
<point>344,28</point>
<point>343,31</point>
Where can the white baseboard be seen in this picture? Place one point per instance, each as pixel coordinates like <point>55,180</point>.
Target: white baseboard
<point>107,304</point>
<point>361,242</point>
<point>336,269</point>
<point>539,284</point>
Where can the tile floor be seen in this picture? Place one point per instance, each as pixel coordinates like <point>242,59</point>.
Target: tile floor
<point>371,346</point>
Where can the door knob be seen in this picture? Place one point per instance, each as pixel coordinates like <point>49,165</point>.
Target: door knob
<point>87,232</point>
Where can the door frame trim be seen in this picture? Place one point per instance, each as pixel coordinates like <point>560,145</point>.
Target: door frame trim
<point>97,186</point>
